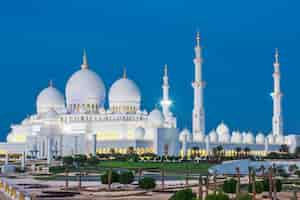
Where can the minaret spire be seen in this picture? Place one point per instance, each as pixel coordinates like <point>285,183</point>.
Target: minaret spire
<point>277,124</point>
<point>50,83</point>
<point>84,64</point>
<point>124,72</point>
<point>198,85</point>
<point>165,102</point>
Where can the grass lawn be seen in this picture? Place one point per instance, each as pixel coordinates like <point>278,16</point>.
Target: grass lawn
<point>170,167</point>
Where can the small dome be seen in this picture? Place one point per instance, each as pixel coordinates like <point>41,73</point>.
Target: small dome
<point>249,138</point>
<point>139,133</point>
<point>222,129</point>
<point>260,138</point>
<point>50,98</point>
<point>156,118</point>
<point>85,89</point>
<point>236,137</point>
<point>124,96</point>
<point>213,137</point>
<point>223,133</point>
<point>185,135</point>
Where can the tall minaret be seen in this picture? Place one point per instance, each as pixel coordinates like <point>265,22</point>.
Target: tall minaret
<point>277,125</point>
<point>198,85</point>
<point>165,102</point>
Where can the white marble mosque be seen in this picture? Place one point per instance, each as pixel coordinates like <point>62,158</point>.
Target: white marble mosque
<point>78,122</point>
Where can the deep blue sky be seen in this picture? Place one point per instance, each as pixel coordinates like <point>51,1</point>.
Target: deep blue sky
<point>42,40</point>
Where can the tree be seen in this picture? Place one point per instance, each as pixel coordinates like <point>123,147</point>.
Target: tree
<point>126,177</point>
<point>79,161</point>
<point>259,187</point>
<point>219,196</point>
<point>247,151</point>
<point>130,150</point>
<point>67,163</point>
<point>112,151</point>
<point>229,186</point>
<point>238,151</point>
<point>185,194</point>
<point>195,152</point>
<point>147,183</point>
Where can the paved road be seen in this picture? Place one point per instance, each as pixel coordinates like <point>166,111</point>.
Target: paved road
<point>3,197</point>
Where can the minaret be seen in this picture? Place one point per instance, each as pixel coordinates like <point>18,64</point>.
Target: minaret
<point>277,125</point>
<point>165,102</point>
<point>84,64</point>
<point>198,85</point>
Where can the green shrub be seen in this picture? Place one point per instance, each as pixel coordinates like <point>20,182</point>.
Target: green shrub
<point>244,197</point>
<point>147,183</point>
<point>229,186</point>
<point>126,177</point>
<point>57,169</point>
<point>219,196</point>
<point>115,177</point>
<point>186,194</point>
<point>259,187</point>
<point>278,185</point>
<point>297,173</point>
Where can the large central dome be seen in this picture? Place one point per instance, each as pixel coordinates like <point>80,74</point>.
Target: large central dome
<point>85,90</point>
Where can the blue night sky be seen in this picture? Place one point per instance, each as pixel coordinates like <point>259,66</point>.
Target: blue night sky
<point>42,40</point>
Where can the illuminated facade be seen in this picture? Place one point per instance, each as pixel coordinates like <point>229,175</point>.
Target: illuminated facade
<point>78,122</point>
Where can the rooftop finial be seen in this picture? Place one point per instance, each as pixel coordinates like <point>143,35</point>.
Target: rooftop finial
<point>84,64</point>
<point>50,83</point>
<point>124,72</point>
<point>198,38</point>
<point>276,55</point>
<point>166,70</point>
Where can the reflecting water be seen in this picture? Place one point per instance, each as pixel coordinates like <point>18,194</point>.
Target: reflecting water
<point>229,167</point>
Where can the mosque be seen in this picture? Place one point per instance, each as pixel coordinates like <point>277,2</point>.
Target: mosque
<point>78,122</point>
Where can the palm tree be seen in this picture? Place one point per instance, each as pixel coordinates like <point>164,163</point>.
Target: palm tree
<point>219,150</point>
<point>67,163</point>
<point>112,151</point>
<point>195,152</point>
<point>130,150</point>
<point>79,161</point>
<point>247,151</point>
<point>238,151</point>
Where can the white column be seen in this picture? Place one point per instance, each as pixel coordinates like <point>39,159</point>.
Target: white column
<point>266,145</point>
<point>75,144</point>
<point>49,150</point>
<point>277,124</point>
<point>23,161</point>
<point>6,159</point>
<point>60,145</point>
<point>94,144</point>
<point>198,85</point>
<point>207,145</point>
